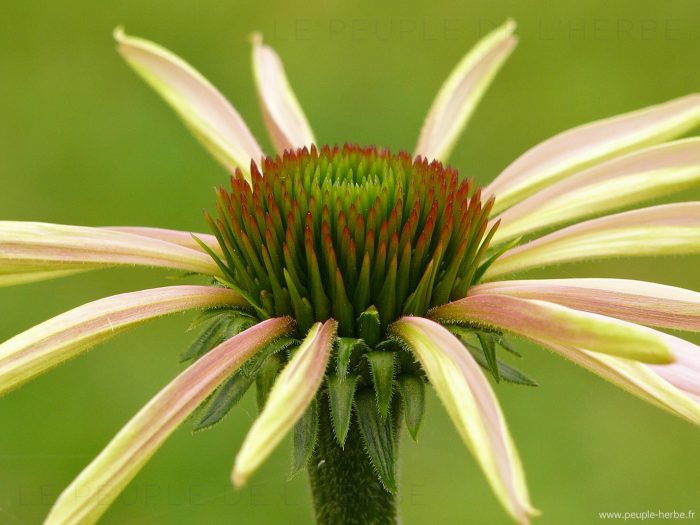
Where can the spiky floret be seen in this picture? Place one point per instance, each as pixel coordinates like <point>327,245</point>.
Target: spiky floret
<point>329,232</point>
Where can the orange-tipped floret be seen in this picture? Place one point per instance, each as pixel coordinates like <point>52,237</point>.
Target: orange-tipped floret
<point>326,233</point>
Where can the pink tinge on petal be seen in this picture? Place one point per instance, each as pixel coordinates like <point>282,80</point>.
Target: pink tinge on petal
<point>284,119</point>
<point>64,336</point>
<point>608,236</point>
<point>667,156</point>
<point>641,380</point>
<point>90,494</point>
<point>479,386</point>
<point>502,449</point>
<point>587,144</point>
<point>59,246</point>
<point>216,119</point>
<point>684,374</point>
<point>678,214</point>
<point>549,323</point>
<point>182,238</point>
<point>292,393</point>
<point>636,301</point>
<point>439,127</point>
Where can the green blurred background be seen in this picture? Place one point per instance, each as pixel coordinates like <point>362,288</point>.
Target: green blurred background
<point>83,141</point>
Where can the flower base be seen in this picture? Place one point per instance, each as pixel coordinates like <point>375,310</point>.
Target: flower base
<point>344,485</point>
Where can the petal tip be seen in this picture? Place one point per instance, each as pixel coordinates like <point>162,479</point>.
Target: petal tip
<point>238,479</point>
<point>255,38</point>
<point>118,34</point>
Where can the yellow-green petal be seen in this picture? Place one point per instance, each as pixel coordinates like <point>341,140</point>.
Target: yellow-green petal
<point>590,144</point>
<point>618,183</point>
<point>29,250</point>
<point>549,323</point>
<point>284,118</point>
<point>472,407</point>
<point>91,493</point>
<point>52,342</point>
<point>293,391</point>
<point>670,229</point>
<point>462,91</point>
<point>205,111</point>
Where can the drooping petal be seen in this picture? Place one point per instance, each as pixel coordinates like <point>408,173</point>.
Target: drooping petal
<point>284,118</point>
<point>89,496</point>
<point>672,387</point>
<point>548,323</point>
<point>293,391</point>
<point>182,238</point>
<point>205,111</point>
<point>472,407</point>
<point>462,91</point>
<point>670,229</point>
<point>636,301</point>
<point>624,181</point>
<point>35,248</point>
<point>54,341</point>
<point>586,145</point>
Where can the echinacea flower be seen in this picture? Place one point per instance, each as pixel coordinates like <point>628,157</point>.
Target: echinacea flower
<point>343,279</point>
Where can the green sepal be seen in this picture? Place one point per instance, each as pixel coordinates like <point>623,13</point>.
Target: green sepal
<point>346,355</point>
<point>481,270</point>
<point>412,391</point>
<point>378,437</point>
<point>383,368</point>
<point>340,396</point>
<point>266,378</point>
<point>369,326</point>
<point>252,366</point>
<point>224,399</point>
<point>488,347</point>
<point>206,315</point>
<point>406,362</point>
<point>505,371</point>
<point>506,345</point>
<point>208,339</point>
<point>305,434</point>
<point>223,327</point>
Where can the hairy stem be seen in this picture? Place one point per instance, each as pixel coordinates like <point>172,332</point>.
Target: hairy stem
<point>345,488</point>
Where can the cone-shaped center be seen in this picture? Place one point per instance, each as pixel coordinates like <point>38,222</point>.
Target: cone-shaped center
<point>336,231</point>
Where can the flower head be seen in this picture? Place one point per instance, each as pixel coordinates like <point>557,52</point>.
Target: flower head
<point>344,279</point>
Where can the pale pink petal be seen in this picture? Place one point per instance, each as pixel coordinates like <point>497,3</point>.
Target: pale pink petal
<point>182,238</point>
<point>205,111</point>
<point>549,323</point>
<point>636,301</point>
<point>472,406</point>
<point>89,496</point>
<point>590,144</point>
<point>54,341</point>
<point>672,387</point>
<point>291,394</point>
<point>37,248</point>
<point>284,118</point>
<point>462,91</point>
<point>670,229</point>
<point>620,182</point>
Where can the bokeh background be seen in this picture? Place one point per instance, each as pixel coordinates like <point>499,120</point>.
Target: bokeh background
<point>84,141</point>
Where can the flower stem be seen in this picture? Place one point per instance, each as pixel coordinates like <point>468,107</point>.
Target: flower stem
<point>344,485</point>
